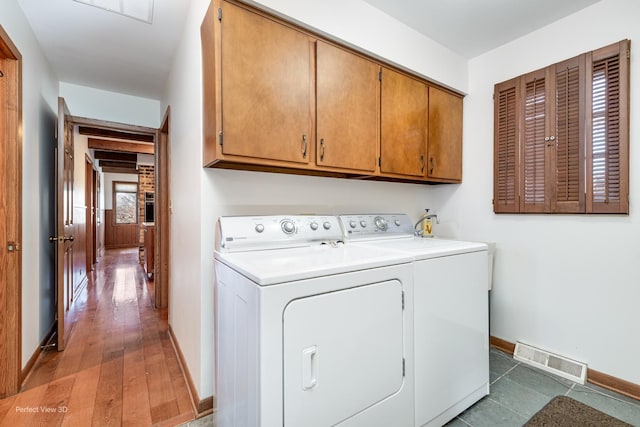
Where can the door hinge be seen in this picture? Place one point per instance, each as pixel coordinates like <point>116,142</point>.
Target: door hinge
<point>220,14</point>
<point>220,138</point>
<point>403,367</point>
<point>403,300</point>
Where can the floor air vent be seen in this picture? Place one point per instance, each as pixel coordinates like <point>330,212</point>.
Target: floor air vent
<point>554,363</point>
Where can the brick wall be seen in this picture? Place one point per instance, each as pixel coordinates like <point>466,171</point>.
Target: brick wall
<point>146,183</point>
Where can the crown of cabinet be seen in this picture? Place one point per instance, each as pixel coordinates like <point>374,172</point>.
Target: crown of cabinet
<point>280,98</point>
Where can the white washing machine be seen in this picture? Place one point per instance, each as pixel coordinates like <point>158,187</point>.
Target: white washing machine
<point>309,331</point>
<point>451,320</point>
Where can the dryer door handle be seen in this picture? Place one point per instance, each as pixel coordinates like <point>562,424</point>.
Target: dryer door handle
<point>309,367</point>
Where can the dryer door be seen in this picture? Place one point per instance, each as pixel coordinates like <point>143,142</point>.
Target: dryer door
<point>343,353</point>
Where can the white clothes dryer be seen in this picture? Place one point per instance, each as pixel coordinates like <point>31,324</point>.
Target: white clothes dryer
<point>451,319</point>
<point>310,331</point>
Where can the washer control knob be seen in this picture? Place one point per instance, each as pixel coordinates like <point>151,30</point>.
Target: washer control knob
<point>352,224</point>
<point>397,222</point>
<point>326,225</point>
<point>363,223</point>
<point>288,226</point>
<point>259,228</point>
<point>314,226</point>
<point>381,223</point>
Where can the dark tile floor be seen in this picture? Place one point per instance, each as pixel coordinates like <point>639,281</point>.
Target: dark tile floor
<point>518,391</point>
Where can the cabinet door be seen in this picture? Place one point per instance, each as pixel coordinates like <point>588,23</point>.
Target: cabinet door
<point>347,109</point>
<point>267,83</point>
<point>445,135</point>
<point>403,117</point>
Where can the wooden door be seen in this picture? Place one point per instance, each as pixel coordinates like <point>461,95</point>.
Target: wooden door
<point>267,88</point>
<point>64,224</point>
<point>445,135</point>
<point>403,117</point>
<point>10,217</point>
<point>348,99</point>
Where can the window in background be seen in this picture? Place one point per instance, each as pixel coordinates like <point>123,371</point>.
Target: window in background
<point>125,202</point>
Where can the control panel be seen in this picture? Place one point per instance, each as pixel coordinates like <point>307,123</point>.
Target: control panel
<point>376,226</point>
<point>275,231</point>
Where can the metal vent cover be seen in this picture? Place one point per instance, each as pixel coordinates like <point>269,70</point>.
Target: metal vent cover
<point>554,363</point>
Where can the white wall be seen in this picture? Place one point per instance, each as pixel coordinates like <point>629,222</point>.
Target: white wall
<point>39,102</point>
<point>199,196</point>
<point>567,283</point>
<point>100,104</point>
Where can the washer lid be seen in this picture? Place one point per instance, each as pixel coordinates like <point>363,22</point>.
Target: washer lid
<point>424,248</point>
<point>269,267</point>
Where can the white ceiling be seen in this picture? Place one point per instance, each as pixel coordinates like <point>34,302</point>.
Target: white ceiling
<point>92,47</point>
<point>472,27</point>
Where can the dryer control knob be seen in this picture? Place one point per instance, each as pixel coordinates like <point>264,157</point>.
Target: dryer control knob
<point>397,222</point>
<point>327,225</point>
<point>259,228</point>
<point>288,226</point>
<point>363,223</point>
<point>352,224</point>
<point>314,226</point>
<point>381,223</point>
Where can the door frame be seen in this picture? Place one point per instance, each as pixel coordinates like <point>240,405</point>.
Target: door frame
<point>11,219</point>
<point>162,213</point>
<point>90,189</point>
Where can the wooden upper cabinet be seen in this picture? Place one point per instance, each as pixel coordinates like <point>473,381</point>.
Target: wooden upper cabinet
<point>347,109</point>
<point>403,116</point>
<point>267,87</point>
<point>445,135</point>
<point>280,98</point>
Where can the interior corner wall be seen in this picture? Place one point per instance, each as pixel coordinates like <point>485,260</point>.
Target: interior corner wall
<point>199,196</point>
<point>100,104</point>
<point>39,110</point>
<point>566,283</point>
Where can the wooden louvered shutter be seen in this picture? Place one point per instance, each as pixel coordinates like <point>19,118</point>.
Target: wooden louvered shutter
<point>567,160</point>
<point>533,162</point>
<point>608,129</point>
<point>505,150</point>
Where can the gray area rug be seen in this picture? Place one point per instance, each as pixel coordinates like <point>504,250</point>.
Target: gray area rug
<point>563,411</point>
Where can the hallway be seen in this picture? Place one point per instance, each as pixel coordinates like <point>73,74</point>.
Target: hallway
<point>119,366</point>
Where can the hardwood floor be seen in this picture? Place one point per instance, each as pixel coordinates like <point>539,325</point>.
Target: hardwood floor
<point>119,366</point>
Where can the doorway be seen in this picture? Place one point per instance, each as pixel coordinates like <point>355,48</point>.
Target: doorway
<point>10,216</point>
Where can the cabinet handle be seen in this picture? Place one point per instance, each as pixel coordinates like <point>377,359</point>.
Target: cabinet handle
<point>304,146</point>
<point>432,165</point>
<point>322,146</point>
<point>422,164</point>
